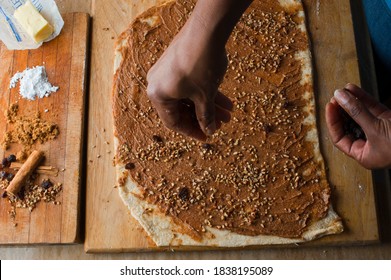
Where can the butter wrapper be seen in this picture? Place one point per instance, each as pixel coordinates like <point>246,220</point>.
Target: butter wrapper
<point>14,36</point>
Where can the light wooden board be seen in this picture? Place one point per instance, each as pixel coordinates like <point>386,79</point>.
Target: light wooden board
<point>65,59</point>
<point>73,6</point>
<point>109,225</point>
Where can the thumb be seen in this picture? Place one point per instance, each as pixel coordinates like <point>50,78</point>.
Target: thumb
<point>356,109</point>
<point>205,111</point>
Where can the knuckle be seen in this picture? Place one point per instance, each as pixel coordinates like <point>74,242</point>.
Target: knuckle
<point>381,129</point>
<point>355,109</point>
<point>152,90</point>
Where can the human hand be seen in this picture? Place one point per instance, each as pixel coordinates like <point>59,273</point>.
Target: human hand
<point>373,117</point>
<point>183,84</point>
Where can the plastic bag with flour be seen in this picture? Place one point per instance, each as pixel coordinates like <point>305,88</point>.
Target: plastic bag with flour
<point>13,35</point>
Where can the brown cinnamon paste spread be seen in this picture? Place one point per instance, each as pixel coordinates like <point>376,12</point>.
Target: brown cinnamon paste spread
<point>259,174</point>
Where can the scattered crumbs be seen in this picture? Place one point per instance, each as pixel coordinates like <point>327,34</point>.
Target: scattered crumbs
<point>98,156</point>
<point>106,29</point>
<point>46,110</point>
<point>317,7</point>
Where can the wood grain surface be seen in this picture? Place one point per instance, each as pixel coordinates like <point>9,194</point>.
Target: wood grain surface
<point>109,225</point>
<point>374,251</point>
<point>65,59</point>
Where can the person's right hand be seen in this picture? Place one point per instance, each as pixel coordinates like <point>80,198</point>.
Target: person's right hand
<point>373,117</point>
<point>183,84</point>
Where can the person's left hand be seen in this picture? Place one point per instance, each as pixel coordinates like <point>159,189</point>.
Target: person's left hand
<point>373,117</point>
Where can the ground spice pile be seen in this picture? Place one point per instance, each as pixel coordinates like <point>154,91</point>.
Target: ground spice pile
<point>27,130</point>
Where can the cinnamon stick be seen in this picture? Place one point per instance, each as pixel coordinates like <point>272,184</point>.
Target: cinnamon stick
<point>24,172</point>
<point>43,170</point>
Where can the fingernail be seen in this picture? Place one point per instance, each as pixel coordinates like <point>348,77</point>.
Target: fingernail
<point>341,96</point>
<point>348,85</point>
<point>210,129</point>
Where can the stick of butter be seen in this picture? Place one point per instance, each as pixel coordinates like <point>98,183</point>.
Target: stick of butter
<point>33,22</point>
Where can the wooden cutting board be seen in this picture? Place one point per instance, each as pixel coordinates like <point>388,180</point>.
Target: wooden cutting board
<point>109,225</point>
<point>65,59</point>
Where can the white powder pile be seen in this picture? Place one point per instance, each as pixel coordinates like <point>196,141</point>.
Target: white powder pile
<point>33,83</point>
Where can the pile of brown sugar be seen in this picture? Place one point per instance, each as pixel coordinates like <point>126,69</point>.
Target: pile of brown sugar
<point>27,130</point>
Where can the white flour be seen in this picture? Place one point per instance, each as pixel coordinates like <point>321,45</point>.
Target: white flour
<point>33,83</point>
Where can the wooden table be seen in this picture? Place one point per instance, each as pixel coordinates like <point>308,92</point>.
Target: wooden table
<point>378,251</point>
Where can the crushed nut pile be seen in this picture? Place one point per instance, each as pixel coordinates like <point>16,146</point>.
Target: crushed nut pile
<point>32,192</point>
